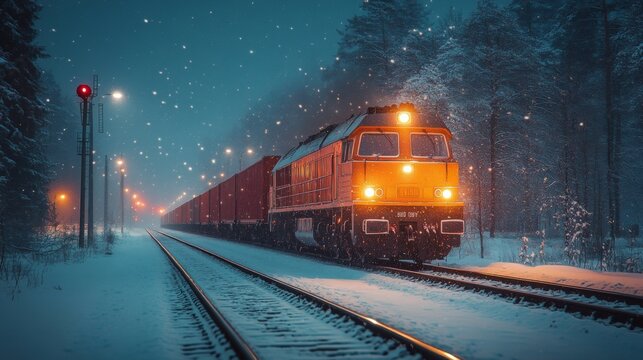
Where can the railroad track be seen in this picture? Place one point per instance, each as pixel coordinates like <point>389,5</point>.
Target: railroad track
<point>604,295</point>
<point>614,308</point>
<point>604,309</point>
<point>265,317</point>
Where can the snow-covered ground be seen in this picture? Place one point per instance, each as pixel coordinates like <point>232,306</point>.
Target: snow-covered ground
<point>501,257</point>
<point>468,324</point>
<point>128,305</point>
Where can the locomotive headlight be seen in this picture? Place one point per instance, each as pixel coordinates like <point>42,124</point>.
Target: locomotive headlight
<point>369,192</point>
<point>446,193</point>
<point>407,169</point>
<point>403,117</point>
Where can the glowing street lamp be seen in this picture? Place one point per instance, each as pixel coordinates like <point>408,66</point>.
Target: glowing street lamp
<point>54,213</point>
<point>117,95</point>
<point>120,162</point>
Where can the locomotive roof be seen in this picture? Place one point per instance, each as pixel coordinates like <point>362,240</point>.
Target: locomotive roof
<point>336,132</point>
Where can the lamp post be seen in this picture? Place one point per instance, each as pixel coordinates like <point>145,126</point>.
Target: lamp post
<point>54,213</point>
<point>105,199</point>
<point>249,152</point>
<point>121,169</point>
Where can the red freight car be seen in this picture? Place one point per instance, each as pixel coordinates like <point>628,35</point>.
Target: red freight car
<point>194,211</point>
<point>215,205</point>
<point>228,208</point>
<point>252,191</point>
<point>204,208</point>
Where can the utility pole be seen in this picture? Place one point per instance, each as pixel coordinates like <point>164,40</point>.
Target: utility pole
<point>105,208</point>
<point>90,202</point>
<point>122,170</point>
<point>84,92</point>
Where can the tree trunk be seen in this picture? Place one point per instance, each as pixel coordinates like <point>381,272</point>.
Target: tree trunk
<point>480,226</point>
<point>493,130</point>
<point>607,69</point>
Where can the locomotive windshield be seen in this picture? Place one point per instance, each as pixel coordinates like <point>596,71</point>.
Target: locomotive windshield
<point>379,144</point>
<point>429,145</point>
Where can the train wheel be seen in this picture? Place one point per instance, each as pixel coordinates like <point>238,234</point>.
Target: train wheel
<point>359,257</point>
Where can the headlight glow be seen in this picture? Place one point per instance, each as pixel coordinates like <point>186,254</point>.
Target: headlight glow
<point>407,169</point>
<point>369,192</point>
<point>446,193</point>
<point>403,117</point>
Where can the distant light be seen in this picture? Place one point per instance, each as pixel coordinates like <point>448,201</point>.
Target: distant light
<point>119,162</point>
<point>202,177</point>
<point>161,211</point>
<point>126,189</point>
<point>117,95</point>
<point>250,151</point>
<point>62,196</point>
<point>222,174</point>
<point>134,196</point>
<point>228,151</point>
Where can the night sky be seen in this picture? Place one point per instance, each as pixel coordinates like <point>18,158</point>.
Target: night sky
<point>189,71</point>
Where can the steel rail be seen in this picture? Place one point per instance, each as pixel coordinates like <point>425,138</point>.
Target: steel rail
<point>612,316</point>
<point>239,345</point>
<point>413,344</point>
<point>543,285</point>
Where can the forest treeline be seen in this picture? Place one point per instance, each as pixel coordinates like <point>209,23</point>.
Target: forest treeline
<point>543,98</point>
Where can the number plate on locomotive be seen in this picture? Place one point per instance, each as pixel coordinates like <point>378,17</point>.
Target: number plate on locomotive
<point>408,191</point>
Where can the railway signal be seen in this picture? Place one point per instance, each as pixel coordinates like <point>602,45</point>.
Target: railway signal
<point>84,92</point>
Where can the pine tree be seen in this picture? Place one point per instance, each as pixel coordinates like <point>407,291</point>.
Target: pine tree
<point>371,44</point>
<point>498,65</point>
<point>23,166</point>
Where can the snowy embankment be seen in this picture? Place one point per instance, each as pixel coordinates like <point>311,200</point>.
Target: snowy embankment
<point>468,324</point>
<point>127,305</point>
<point>502,258</point>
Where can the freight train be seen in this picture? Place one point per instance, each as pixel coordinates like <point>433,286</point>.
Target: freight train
<point>382,184</point>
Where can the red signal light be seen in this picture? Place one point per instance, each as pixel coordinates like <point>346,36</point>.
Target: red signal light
<point>83,91</point>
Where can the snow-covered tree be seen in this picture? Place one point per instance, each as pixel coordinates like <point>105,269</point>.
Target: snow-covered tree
<point>371,46</point>
<point>23,165</point>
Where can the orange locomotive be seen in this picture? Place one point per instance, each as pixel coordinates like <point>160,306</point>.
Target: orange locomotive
<point>382,184</point>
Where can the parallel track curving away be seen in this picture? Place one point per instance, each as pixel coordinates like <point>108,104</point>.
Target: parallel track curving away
<point>544,285</point>
<point>608,314</point>
<point>377,328</point>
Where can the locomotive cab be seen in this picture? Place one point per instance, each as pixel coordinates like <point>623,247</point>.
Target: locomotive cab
<point>404,186</point>
<point>382,184</point>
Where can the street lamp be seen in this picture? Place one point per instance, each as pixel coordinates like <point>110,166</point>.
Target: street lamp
<point>121,170</point>
<point>54,213</point>
<point>249,152</point>
<point>117,95</point>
